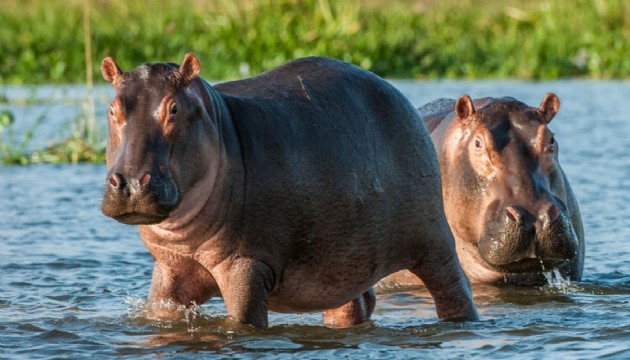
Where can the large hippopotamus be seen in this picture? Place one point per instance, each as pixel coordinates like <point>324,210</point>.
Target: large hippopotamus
<point>292,191</point>
<point>506,198</point>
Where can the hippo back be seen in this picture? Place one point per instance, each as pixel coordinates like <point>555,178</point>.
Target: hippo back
<point>357,155</point>
<point>435,111</point>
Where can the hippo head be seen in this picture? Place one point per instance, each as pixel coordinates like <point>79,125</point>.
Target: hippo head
<point>503,188</point>
<point>153,125</point>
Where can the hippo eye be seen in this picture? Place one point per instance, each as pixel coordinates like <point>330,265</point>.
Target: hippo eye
<point>477,143</point>
<point>111,111</point>
<point>552,145</point>
<point>174,109</point>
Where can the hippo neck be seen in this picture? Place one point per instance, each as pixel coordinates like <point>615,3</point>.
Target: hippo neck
<point>209,203</point>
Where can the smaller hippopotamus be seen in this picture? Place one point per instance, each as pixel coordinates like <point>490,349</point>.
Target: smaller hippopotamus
<point>292,191</point>
<point>507,200</point>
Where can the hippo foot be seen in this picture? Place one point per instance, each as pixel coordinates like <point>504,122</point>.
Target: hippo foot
<point>353,313</point>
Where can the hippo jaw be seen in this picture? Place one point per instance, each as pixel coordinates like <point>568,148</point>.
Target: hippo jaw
<point>138,219</point>
<point>530,265</point>
<point>512,248</point>
<point>139,202</point>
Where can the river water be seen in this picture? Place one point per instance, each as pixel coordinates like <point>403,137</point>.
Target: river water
<point>73,283</point>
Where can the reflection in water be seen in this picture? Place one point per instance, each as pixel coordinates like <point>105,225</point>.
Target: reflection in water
<point>201,331</point>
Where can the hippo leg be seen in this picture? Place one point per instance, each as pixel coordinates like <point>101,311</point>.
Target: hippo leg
<point>187,285</point>
<point>443,276</point>
<point>353,313</point>
<point>246,293</point>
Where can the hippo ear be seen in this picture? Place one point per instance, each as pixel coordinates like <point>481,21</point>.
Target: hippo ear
<point>190,68</point>
<point>549,107</point>
<point>111,71</point>
<point>464,108</point>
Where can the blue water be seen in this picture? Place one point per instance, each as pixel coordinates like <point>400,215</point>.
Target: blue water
<point>73,283</point>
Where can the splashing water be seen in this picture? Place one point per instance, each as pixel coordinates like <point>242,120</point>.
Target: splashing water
<point>164,312</point>
<point>555,280</point>
<point>559,283</point>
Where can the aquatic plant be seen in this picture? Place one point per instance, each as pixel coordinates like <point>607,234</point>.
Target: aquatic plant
<point>76,142</point>
<point>12,146</point>
<point>82,143</point>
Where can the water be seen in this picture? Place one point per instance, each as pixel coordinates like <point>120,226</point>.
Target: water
<point>73,281</point>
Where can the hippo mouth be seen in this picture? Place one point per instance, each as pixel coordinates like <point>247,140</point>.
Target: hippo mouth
<point>139,218</point>
<point>528,246</point>
<point>529,265</point>
<point>140,209</point>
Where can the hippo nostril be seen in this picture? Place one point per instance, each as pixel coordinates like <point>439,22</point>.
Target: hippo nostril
<point>513,214</point>
<point>116,181</point>
<point>144,180</point>
<point>550,213</point>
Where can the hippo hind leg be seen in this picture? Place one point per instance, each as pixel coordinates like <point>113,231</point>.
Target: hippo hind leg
<point>443,276</point>
<point>353,313</point>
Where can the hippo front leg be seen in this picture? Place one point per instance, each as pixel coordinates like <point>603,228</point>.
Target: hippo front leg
<point>246,291</point>
<point>185,285</point>
<point>443,276</point>
<point>353,313</point>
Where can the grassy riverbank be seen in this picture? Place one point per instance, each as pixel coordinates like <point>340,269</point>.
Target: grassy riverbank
<point>54,42</point>
<point>43,41</point>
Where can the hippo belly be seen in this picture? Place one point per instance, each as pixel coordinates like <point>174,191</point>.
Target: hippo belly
<point>311,283</point>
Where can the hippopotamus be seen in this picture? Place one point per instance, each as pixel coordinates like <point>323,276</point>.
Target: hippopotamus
<point>506,198</point>
<point>292,191</point>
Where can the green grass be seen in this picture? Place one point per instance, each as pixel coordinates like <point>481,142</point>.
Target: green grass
<point>43,42</point>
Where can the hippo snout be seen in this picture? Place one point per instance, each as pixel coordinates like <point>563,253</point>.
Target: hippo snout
<point>520,218</point>
<point>520,241</point>
<point>143,199</point>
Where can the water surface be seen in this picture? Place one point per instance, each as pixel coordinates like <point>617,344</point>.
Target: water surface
<point>73,282</point>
